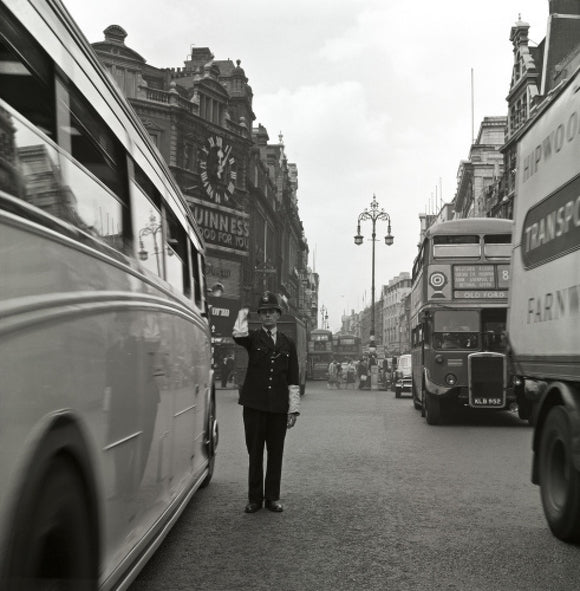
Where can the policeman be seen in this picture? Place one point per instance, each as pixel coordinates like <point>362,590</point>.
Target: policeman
<point>270,396</point>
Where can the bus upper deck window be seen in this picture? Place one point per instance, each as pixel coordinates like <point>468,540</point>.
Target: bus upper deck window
<point>456,246</point>
<point>497,245</point>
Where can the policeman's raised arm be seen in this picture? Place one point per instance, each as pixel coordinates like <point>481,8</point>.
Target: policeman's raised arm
<point>241,324</point>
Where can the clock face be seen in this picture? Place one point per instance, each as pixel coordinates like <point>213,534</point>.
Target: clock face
<point>218,174</point>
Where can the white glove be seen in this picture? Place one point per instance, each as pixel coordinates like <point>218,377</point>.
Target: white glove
<point>294,399</point>
<point>291,421</point>
<point>241,324</point>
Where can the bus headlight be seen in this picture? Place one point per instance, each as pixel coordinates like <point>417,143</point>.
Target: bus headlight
<point>450,379</point>
<point>438,358</point>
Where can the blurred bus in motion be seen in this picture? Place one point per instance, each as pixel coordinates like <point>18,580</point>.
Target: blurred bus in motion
<point>320,353</point>
<point>347,347</point>
<point>458,318</point>
<point>108,422</point>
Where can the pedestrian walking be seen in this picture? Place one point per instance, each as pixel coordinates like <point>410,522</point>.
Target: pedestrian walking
<point>270,396</point>
<point>350,374</point>
<point>362,372</point>
<point>230,364</point>
<point>224,371</point>
<point>332,374</point>
<point>339,376</point>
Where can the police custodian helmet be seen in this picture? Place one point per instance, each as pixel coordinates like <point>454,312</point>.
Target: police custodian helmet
<point>269,301</point>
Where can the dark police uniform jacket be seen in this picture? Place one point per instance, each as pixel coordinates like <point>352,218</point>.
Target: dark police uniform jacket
<point>271,369</point>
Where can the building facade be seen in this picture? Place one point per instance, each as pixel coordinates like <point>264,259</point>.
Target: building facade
<point>482,170</point>
<point>241,188</point>
<point>535,72</point>
<point>393,298</point>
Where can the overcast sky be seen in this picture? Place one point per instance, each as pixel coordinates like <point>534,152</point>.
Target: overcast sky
<point>371,96</point>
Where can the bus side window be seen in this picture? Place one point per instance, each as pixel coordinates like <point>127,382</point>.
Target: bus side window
<point>417,264</point>
<point>204,305</point>
<point>175,251</point>
<point>196,272</point>
<point>85,135</point>
<point>26,75</point>
<point>148,232</point>
<point>189,281</point>
<point>99,191</point>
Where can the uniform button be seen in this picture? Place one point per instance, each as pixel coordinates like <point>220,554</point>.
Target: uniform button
<point>269,387</point>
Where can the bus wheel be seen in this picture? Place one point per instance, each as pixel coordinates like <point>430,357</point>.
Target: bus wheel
<point>53,548</point>
<point>432,409</point>
<point>559,480</point>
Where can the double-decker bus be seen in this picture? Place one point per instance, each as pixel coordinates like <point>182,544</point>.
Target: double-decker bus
<point>319,353</point>
<point>108,406</point>
<point>347,347</point>
<point>458,317</point>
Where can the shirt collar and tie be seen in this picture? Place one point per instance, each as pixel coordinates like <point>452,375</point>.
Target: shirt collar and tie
<point>271,332</point>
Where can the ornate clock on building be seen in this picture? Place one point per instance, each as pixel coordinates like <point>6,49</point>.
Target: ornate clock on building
<point>217,165</point>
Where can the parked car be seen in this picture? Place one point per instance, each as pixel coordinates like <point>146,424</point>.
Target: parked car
<point>403,376</point>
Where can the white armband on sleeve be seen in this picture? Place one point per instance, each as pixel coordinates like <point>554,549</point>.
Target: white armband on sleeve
<point>294,399</point>
<point>241,324</point>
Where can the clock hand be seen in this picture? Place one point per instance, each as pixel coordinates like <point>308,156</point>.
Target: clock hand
<point>223,161</point>
<point>219,166</point>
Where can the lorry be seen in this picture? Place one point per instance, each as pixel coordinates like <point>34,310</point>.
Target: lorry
<point>291,326</point>
<point>543,326</point>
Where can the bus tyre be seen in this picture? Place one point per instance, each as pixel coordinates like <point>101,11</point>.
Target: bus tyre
<point>55,549</point>
<point>559,479</point>
<point>432,409</point>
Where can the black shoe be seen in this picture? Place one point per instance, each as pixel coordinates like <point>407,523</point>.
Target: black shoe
<point>275,506</point>
<point>253,507</point>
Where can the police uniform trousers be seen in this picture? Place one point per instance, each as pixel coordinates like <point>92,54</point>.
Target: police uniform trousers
<point>269,429</point>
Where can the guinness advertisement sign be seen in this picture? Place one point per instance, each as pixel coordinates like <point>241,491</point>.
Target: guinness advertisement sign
<point>223,228</point>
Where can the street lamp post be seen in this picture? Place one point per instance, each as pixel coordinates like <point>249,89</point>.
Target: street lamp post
<point>374,214</point>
